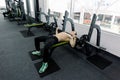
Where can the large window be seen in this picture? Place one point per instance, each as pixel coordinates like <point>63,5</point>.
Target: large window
<point>81,11</point>
<point>107,10</point>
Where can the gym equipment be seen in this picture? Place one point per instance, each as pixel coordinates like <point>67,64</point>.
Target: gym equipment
<point>51,27</point>
<point>65,22</point>
<point>17,13</point>
<point>45,26</point>
<point>63,29</point>
<point>29,25</point>
<point>83,42</point>
<point>21,13</point>
<point>92,51</point>
<point>9,7</point>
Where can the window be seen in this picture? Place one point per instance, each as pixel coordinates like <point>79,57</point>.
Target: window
<point>117,24</point>
<point>87,18</point>
<point>117,20</point>
<point>57,14</point>
<point>2,3</point>
<point>104,20</point>
<point>107,10</point>
<point>81,11</point>
<point>76,16</point>
<point>84,11</point>
<point>25,6</point>
<point>58,7</point>
<point>32,8</point>
<point>2,6</point>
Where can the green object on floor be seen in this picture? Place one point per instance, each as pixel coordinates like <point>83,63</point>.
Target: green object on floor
<point>44,67</point>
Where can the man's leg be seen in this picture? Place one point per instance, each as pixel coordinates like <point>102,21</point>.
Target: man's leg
<point>46,54</point>
<point>45,59</point>
<point>37,41</point>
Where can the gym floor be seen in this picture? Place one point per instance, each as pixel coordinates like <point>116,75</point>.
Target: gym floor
<point>16,64</point>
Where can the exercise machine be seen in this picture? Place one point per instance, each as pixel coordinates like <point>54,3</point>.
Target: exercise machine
<point>39,24</point>
<point>15,10</point>
<point>83,43</point>
<point>45,25</point>
<point>21,13</point>
<point>94,52</point>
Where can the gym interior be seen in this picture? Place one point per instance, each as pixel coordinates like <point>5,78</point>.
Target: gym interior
<point>95,56</point>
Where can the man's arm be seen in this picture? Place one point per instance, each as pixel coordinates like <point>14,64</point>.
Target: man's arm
<point>72,41</point>
<point>56,31</point>
<point>73,38</point>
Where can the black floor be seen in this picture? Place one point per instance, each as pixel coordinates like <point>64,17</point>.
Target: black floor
<point>16,64</point>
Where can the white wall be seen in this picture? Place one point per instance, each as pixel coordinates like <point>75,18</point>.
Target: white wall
<point>112,42</point>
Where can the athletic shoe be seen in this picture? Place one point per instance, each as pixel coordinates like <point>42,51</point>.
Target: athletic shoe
<point>38,53</point>
<point>44,67</point>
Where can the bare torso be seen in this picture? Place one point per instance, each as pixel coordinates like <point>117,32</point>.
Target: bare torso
<point>63,36</point>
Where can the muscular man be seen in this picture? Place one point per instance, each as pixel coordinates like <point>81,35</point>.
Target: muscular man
<point>49,41</point>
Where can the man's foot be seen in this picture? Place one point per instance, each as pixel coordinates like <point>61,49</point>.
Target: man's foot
<point>44,67</point>
<point>38,53</point>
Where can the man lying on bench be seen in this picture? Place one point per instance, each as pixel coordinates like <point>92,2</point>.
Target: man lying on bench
<point>50,41</point>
